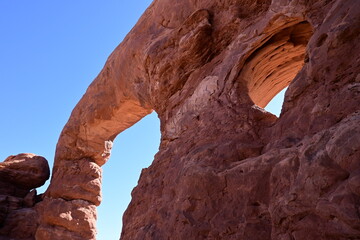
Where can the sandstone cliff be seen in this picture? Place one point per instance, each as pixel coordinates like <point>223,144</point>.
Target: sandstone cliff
<point>226,168</point>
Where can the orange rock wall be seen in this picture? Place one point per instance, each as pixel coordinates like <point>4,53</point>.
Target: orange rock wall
<point>226,168</point>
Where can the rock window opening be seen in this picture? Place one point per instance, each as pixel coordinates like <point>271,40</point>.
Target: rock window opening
<point>272,66</point>
<point>133,150</point>
<point>275,105</point>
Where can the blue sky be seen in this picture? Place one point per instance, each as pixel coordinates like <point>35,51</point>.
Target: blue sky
<point>50,53</point>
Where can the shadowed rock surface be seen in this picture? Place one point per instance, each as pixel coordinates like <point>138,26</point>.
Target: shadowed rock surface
<point>226,168</point>
<point>19,176</point>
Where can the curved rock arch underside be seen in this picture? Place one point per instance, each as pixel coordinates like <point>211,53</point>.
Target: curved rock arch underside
<point>226,168</point>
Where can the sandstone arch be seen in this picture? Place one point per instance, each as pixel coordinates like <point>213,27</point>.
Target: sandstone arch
<point>226,169</point>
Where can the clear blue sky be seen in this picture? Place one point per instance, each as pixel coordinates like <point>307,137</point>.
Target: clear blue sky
<point>50,52</point>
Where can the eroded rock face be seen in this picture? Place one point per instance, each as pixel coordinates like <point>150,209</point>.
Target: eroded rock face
<point>26,171</point>
<point>226,168</point>
<point>19,176</point>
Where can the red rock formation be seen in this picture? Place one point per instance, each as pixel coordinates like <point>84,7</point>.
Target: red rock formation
<point>226,168</point>
<point>19,176</point>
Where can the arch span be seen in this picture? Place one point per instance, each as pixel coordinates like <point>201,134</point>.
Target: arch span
<point>111,104</point>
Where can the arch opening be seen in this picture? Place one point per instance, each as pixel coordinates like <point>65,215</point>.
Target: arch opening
<point>134,149</point>
<point>271,67</point>
<point>275,105</point>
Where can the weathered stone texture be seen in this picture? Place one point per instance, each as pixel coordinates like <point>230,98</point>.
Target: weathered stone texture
<point>19,176</point>
<point>226,168</point>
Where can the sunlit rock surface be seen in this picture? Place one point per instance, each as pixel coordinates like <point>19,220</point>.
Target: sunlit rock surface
<point>226,168</point>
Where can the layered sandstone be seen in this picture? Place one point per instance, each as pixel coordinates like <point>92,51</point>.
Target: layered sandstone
<point>226,168</point>
<point>20,175</point>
